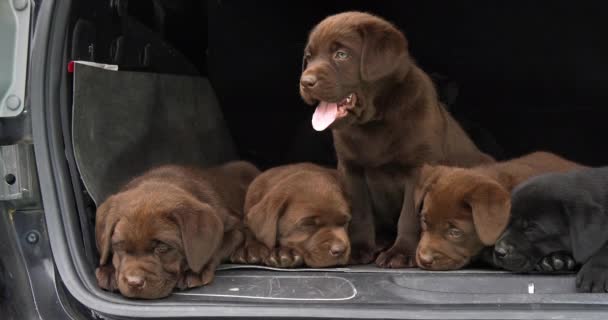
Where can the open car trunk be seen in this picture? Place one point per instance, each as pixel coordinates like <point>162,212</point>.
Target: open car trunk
<point>211,81</point>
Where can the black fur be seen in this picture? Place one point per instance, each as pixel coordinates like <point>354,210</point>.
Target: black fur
<point>560,213</point>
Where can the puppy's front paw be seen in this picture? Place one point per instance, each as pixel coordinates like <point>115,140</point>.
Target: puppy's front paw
<point>251,253</point>
<point>192,280</point>
<point>284,258</point>
<point>556,262</point>
<point>362,254</point>
<point>395,258</point>
<point>207,275</point>
<point>593,277</point>
<point>106,277</point>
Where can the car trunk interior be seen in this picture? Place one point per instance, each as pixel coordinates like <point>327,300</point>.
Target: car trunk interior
<point>519,76</point>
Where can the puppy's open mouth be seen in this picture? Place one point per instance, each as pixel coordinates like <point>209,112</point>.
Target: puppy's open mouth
<point>328,112</point>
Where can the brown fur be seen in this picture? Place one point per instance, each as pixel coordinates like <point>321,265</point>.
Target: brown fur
<point>464,210</point>
<point>297,215</point>
<point>396,125</point>
<point>170,228</point>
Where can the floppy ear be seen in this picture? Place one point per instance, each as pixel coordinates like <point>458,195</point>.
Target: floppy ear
<point>384,48</point>
<point>427,175</point>
<point>491,207</point>
<point>202,232</point>
<point>588,228</point>
<point>263,217</point>
<point>106,218</point>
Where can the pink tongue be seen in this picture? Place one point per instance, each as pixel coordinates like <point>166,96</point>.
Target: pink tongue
<point>324,116</point>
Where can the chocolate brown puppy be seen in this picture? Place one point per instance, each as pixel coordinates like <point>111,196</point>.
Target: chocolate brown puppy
<point>170,228</point>
<point>464,210</point>
<point>386,121</point>
<point>297,215</point>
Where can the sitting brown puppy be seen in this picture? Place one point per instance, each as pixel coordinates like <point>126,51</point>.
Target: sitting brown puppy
<point>464,210</point>
<point>170,228</point>
<point>386,120</point>
<point>297,215</point>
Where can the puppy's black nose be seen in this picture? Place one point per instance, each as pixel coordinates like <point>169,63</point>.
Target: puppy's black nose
<point>500,252</point>
<point>136,282</point>
<point>337,249</point>
<point>308,81</point>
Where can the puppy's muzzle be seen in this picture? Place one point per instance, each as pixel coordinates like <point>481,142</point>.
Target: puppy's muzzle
<point>337,249</point>
<point>137,282</point>
<point>308,81</point>
<point>425,259</point>
<point>503,250</point>
<point>508,257</point>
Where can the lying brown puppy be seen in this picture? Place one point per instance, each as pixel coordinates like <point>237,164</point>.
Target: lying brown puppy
<point>386,120</point>
<point>298,215</point>
<point>170,228</point>
<point>464,210</point>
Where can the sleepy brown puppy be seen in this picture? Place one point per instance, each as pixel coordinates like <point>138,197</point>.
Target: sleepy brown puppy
<point>170,228</point>
<point>386,121</point>
<point>464,210</point>
<point>297,215</point>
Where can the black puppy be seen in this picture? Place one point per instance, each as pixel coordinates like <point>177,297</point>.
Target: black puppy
<point>560,213</point>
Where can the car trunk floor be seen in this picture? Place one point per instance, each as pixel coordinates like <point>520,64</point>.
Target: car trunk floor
<point>372,285</point>
<point>137,114</point>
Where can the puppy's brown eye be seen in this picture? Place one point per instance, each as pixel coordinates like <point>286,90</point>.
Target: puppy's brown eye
<point>118,246</point>
<point>455,233</point>
<point>305,61</point>
<point>347,221</point>
<point>306,58</point>
<point>423,224</point>
<point>308,223</point>
<point>162,248</point>
<point>341,55</point>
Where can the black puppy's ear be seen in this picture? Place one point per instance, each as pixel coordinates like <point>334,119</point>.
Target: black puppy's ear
<point>263,217</point>
<point>383,51</point>
<point>588,227</point>
<point>202,232</point>
<point>491,207</point>
<point>107,217</point>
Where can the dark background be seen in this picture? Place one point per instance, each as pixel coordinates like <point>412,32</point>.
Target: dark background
<point>530,74</point>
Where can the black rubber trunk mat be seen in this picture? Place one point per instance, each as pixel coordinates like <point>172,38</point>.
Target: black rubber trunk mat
<point>126,122</point>
<point>371,285</point>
